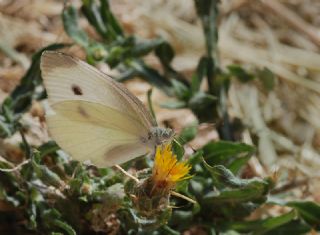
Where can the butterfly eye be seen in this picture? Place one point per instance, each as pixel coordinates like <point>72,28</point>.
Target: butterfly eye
<point>76,90</point>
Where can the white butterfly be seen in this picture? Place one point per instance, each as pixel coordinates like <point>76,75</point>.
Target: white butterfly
<point>96,118</point>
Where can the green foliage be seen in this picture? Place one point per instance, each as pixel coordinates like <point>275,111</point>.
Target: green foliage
<point>240,73</point>
<point>267,78</point>
<point>309,211</point>
<point>51,194</point>
<point>221,195</point>
<point>264,226</point>
<point>21,98</point>
<point>233,155</point>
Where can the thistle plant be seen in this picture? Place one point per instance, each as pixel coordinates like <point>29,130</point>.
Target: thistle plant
<point>151,195</point>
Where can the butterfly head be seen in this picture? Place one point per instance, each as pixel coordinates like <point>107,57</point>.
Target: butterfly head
<point>159,136</point>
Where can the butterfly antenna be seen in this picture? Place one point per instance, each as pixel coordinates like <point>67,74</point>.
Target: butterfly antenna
<point>184,141</point>
<point>150,106</point>
<point>127,173</point>
<point>200,126</point>
<point>192,148</point>
<point>173,193</point>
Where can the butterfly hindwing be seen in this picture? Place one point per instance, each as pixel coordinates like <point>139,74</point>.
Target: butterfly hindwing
<point>90,131</point>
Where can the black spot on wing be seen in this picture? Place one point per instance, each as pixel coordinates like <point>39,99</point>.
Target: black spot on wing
<point>77,90</point>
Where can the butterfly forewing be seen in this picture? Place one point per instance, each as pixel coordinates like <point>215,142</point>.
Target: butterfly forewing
<point>67,78</point>
<point>94,118</point>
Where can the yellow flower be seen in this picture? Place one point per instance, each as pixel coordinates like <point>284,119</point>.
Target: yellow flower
<point>167,170</point>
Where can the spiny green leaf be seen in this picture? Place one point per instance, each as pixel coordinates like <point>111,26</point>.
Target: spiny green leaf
<point>196,157</point>
<point>152,76</point>
<point>233,155</point>
<point>267,77</point>
<point>167,230</point>
<point>44,173</point>
<point>197,186</point>
<point>165,53</point>
<point>92,12</point>
<point>309,211</point>
<point>180,90</point>
<point>202,101</point>
<point>199,75</point>
<point>178,149</point>
<point>48,148</point>
<point>207,11</point>
<point>294,227</point>
<point>64,226</point>
<point>226,149</point>
<point>233,189</point>
<point>182,218</point>
<point>20,99</point>
<point>188,133</point>
<point>236,196</point>
<point>70,23</point>
<point>145,47</point>
<point>240,73</point>
<point>263,226</point>
<point>109,19</point>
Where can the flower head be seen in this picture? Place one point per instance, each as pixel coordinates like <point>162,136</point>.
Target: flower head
<point>150,196</point>
<point>167,170</point>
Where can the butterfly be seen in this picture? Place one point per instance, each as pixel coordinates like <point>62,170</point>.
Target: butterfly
<point>94,117</point>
